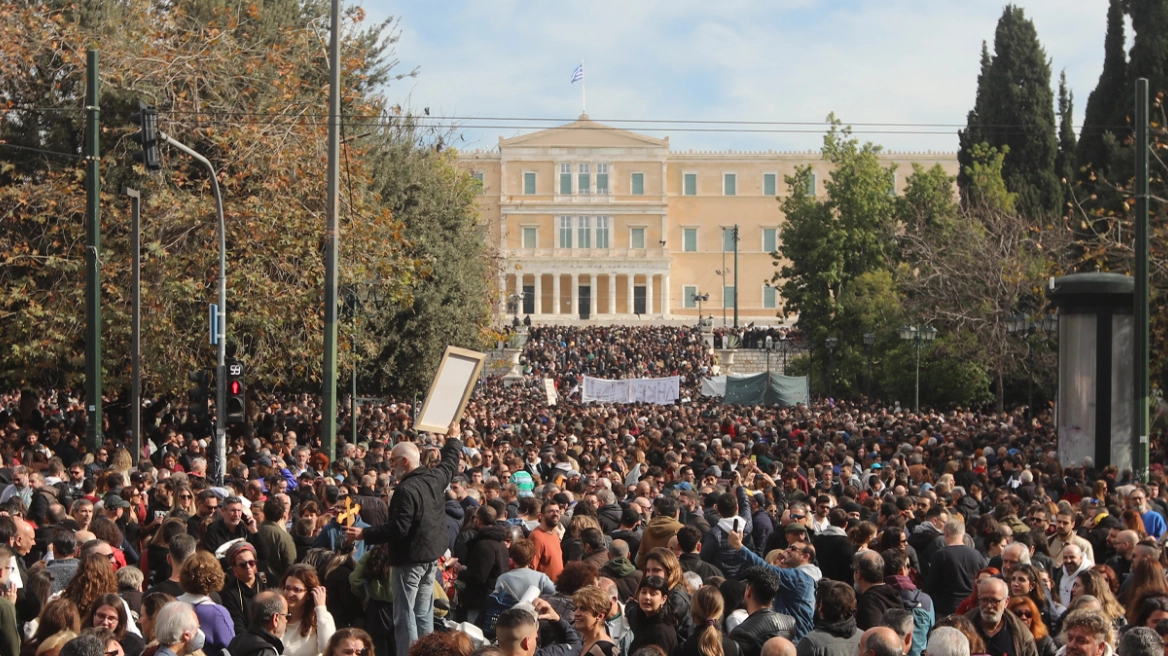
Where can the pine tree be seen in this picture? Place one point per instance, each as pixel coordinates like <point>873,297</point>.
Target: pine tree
<point>1106,110</point>
<point>1015,108</point>
<point>1149,53</point>
<point>1064,165</point>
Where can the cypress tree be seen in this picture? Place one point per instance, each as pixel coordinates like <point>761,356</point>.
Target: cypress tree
<point>1015,109</point>
<point>1149,53</point>
<point>1106,111</point>
<point>1064,165</point>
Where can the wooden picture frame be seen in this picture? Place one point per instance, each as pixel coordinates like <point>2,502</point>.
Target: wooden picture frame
<point>450,390</point>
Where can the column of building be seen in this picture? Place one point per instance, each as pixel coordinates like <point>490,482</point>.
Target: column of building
<point>612,294</point>
<point>537,306</point>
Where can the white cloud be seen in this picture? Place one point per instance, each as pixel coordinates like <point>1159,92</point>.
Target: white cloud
<point>892,61</point>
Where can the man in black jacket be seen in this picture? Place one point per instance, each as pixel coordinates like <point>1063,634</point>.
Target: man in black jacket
<point>763,623</point>
<point>486,559</point>
<point>834,549</point>
<point>876,596</point>
<point>269,619</point>
<point>689,544</point>
<point>416,533</point>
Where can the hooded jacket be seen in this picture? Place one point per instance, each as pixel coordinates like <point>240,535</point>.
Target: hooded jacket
<point>486,559</point>
<point>609,516</point>
<point>870,605</point>
<point>657,534</point>
<point>454,516</point>
<point>924,540</point>
<point>834,551</point>
<point>920,605</point>
<point>255,642</point>
<point>625,574</point>
<point>840,638</point>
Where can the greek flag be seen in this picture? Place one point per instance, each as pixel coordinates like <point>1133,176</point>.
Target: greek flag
<point>578,74</point>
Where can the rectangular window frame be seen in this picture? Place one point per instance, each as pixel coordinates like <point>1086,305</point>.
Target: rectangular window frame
<point>637,179</point>
<point>728,233</point>
<point>773,179</point>
<point>685,245</point>
<point>771,303</point>
<point>584,232</point>
<point>565,179</point>
<point>602,232</point>
<point>687,297</point>
<point>523,232</point>
<point>530,189</point>
<point>728,296</point>
<point>602,179</point>
<point>583,178</point>
<point>774,238</point>
<point>564,239</point>
<point>478,177</point>
<point>729,184</point>
<point>813,185</point>
<point>643,230</point>
<point>686,176</point>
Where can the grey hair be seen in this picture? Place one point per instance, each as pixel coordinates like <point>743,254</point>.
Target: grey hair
<point>605,497</point>
<point>947,641</point>
<point>899,620</point>
<point>618,549</point>
<point>265,607</point>
<point>693,579</point>
<point>175,619</point>
<point>1140,641</point>
<point>84,645</point>
<point>1023,552</point>
<point>130,579</point>
<point>232,499</point>
<point>954,528</point>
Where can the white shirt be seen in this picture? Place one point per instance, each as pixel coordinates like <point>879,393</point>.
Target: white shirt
<point>315,642</point>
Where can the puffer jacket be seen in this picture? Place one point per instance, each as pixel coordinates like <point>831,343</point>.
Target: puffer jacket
<point>760,626</point>
<point>486,559</point>
<point>417,531</point>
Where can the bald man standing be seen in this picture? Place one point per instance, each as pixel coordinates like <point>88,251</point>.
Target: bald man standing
<point>416,533</point>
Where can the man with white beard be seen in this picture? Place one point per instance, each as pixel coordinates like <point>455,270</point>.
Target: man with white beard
<point>1001,630</point>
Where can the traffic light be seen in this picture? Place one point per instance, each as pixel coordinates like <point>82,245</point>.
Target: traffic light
<point>200,395</point>
<point>236,410</point>
<point>147,136</point>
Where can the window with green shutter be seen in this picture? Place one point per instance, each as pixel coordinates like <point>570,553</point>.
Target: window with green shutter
<point>728,296</point>
<point>637,238</point>
<point>770,297</point>
<point>728,239</point>
<point>730,184</point>
<point>769,240</point>
<point>770,184</point>
<point>689,240</point>
<point>691,184</point>
<point>565,179</point>
<point>584,180</point>
<point>688,293</point>
<point>638,184</point>
<point>529,182</point>
<point>602,178</point>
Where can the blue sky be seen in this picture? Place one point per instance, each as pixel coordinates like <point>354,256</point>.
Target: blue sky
<point>880,61</point>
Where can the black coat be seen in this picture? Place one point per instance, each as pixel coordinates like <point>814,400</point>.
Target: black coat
<point>255,642</point>
<point>609,516</point>
<point>416,531</point>
<point>237,599</point>
<point>834,554</point>
<point>486,559</point>
<point>760,626</point>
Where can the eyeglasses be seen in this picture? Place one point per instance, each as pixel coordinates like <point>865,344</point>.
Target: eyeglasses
<point>797,517</point>
<point>1023,614</point>
<point>987,601</point>
<point>291,590</point>
<point>246,563</point>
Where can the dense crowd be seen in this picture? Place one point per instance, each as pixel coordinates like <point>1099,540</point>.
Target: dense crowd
<point>694,529</point>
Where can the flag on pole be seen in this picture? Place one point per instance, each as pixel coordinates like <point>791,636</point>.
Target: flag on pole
<point>578,74</point>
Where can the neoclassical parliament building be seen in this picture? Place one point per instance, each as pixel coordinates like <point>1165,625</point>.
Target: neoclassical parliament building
<point>598,224</point>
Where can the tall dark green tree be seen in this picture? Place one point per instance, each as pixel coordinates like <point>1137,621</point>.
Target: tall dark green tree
<point>1149,53</point>
<point>1106,111</point>
<point>1015,108</point>
<point>1064,165</point>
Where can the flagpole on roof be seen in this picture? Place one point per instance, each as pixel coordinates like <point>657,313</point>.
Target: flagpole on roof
<point>583,90</point>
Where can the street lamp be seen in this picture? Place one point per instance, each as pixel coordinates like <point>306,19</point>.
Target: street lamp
<point>514,300</point>
<point>359,297</point>
<point>785,347</point>
<point>699,299</point>
<point>831,343</point>
<point>918,335</point>
<point>1023,327</point>
<point>722,272</point>
<point>869,342</point>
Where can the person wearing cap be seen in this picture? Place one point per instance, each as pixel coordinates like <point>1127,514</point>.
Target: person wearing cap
<point>243,583</point>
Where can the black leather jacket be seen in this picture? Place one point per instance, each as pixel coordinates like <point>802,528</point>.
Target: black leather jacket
<point>760,626</point>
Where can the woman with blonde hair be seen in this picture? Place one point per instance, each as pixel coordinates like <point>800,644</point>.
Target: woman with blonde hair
<point>184,500</point>
<point>592,607</point>
<point>311,625</point>
<point>707,639</point>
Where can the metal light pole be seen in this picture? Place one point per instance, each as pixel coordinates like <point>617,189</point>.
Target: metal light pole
<point>220,455</point>
<point>831,342</point>
<point>92,255</point>
<point>723,273</point>
<point>699,299</point>
<point>1024,327</point>
<point>735,275</point>
<point>1141,385</point>
<point>918,336</point>
<point>135,322</point>
<point>770,343</point>
<point>784,346</point>
<point>332,230</point>
<point>869,342</point>
<point>357,297</point>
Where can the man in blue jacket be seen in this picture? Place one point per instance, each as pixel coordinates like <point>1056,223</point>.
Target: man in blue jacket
<point>796,597</point>
<point>416,533</point>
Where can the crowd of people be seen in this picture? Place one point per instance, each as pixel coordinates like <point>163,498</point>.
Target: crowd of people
<point>694,529</point>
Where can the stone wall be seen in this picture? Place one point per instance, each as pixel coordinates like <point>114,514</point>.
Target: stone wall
<point>754,361</point>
